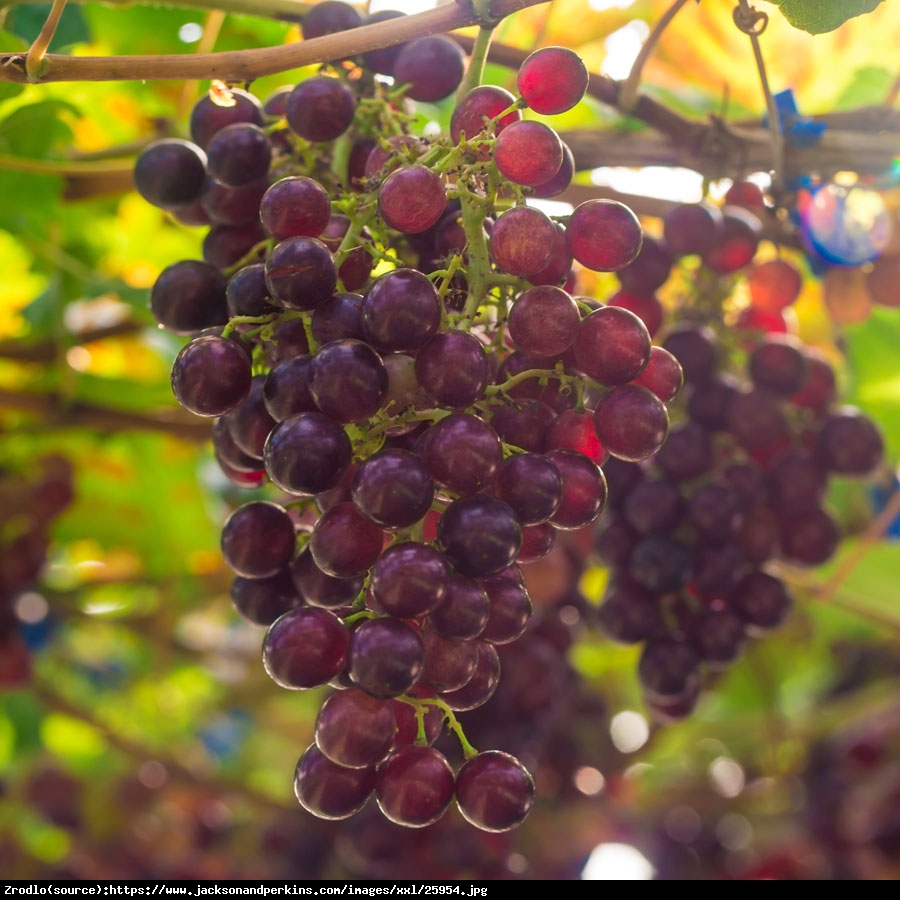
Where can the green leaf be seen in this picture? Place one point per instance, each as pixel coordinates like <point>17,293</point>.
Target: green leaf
<point>27,21</point>
<point>35,130</point>
<point>11,42</point>
<point>868,87</point>
<point>819,16</point>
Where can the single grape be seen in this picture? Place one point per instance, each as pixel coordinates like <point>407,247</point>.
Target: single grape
<point>320,108</point>
<point>415,786</point>
<point>258,539</point>
<point>354,729</point>
<point>480,535</point>
<point>296,206</point>
<point>432,66</point>
<point>631,422</point>
<point>385,657</point>
<point>604,235</point>
<point>188,297</point>
<point>211,376</point>
<point>494,791</point>
<point>305,648</point>
<point>170,173</point>
<point>330,791</point>
<point>412,199</point>
<point>543,320</point>
<point>528,153</point>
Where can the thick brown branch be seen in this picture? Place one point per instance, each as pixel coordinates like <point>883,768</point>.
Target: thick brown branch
<point>239,66</point>
<point>87,415</point>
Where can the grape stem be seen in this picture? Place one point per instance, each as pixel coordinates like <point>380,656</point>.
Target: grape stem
<point>421,707</point>
<point>242,66</point>
<point>38,49</point>
<point>477,59</point>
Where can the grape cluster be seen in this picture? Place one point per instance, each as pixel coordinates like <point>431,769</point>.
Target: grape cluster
<point>739,484</point>
<point>379,329</point>
<point>29,502</point>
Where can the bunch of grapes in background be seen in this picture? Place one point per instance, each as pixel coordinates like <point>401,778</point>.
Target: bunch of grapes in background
<point>380,329</point>
<point>29,503</point>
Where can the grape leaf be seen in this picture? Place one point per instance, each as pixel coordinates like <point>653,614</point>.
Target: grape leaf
<point>28,19</point>
<point>819,16</point>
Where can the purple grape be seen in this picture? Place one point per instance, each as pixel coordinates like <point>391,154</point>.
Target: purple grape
<point>522,240</point>
<point>668,669</point>
<point>343,543</point>
<point>761,601</point>
<point>295,206</point>
<point>481,686</point>
<point>354,729</point>
<point>305,648</point>
<point>261,601</point>
<point>319,589</point>
<point>307,453</point>
<point>300,273</point>
<point>258,539</point>
<point>448,664</point>
<point>604,235</point>
<point>393,489</point>
<point>453,368</point>
<point>544,321</point>
<point>211,376</point>
<point>218,109</point>
<point>239,155</point>
<point>188,297</point>
<point>320,108</point>
<point>348,380</point>
<point>612,345</point>
<point>462,453</point>
<point>415,786</point>
<point>849,443</point>
<point>409,580</point>
<point>511,610</point>
<point>480,535</point>
<point>629,613</point>
<point>286,389</point>
<point>494,791</point>
<point>330,791</point>
<point>631,422</point>
<point>385,658</point>
<point>412,199</point>
<point>247,293</point>
<point>170,173</point>
<point>432,66</point>
<point>583,489</point>
<point>401,311</point>
<point>250,423</point>
<point>531,485</point>
<point>338,319</point>
<point>463,612</point>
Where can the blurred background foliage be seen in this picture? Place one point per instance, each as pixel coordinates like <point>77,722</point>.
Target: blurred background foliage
<point>139,734</point>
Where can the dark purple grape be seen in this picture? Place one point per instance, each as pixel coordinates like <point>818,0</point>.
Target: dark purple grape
<point>217,109</point>
<point>522,241</point>
<point>531,485</point>
<point>401,311</point>
<point>453,368</point>
<point>653,507</point>
<point>462,453</point>
<point>170,173</point>
<point>415,786</point>
<point>660,564</point>
<point>250,423</point>
<point>385,658</point>
<point>762,601</point>
<point>612,345</point>
<point>647,308</point>
<point>717,568</point>
<point>757,420</point>
<point>409,580</point>
<point>614,542</point>
<point>480,535</point>
<point>261,601</point>
<point>354,729</point>
<point>736,241</point>
<point>557,271</point>
<point>715,510</point>
<point>211,376</point>
<point>709,401</point>
<point>494,791</point>
<point>544,320</point>
<point>481,686</point>
<point>648,271</point>
<point>448,664</point>
<point>343,543</point>
<point>810,539</point>
<point>383,59</point>
<point>717,636</point>
<point>238,155</point>
<point>330,791</point>
<point>233,205</point>
<point>696,348</point>
<point>432,67</point>
<point>604,235</point>
<point>319,589</point>
<point>796,483</point>
<point>583,489</point>
<point>463,612</point>
<point>300,273</point>
<point>511,610</point>
<point>258,539</point>
<point>662,375</point>
<point>305,648</point>
<point>393,489</point>
<point>188,297</point>
<point>348,380</point>
<point>691,228</point>
<point>523,425</point>
<point>759,535</point>
<point>329,17</point>
<point>687,452</point>
<point>307,453</point>
<point>849,443</point>
<point>247,293</point>
<point>228,452</point>
<point>286,389</point>
<point>320,108</point>
<point>667,669</point>
<point>631,422</point>
<point>482,103</point>
<point>779,365</point>
<point>412,199</point>
<point>295,206</point>
<point>226,245</point>
<point>629,613</point>
<point>338,319</point>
